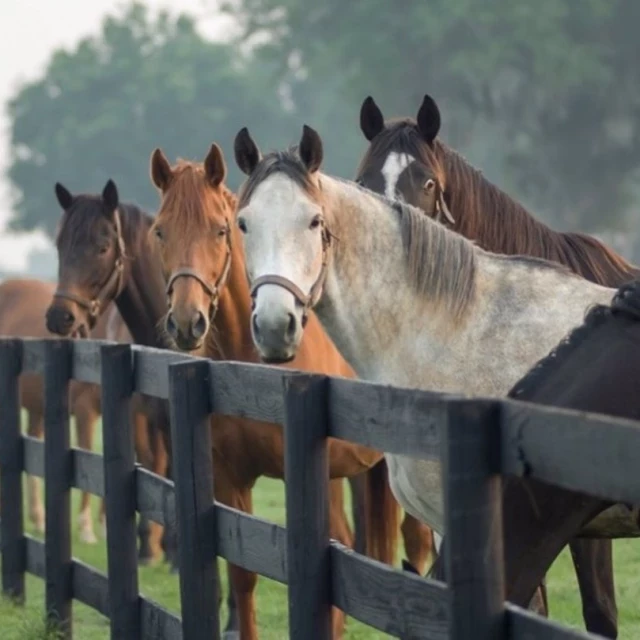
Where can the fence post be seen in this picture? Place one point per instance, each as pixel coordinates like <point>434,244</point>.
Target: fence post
<point>473,515</point>
<point>57,470</point>
<point>193,477</point>
<point>120,491</point>
<point>11,466</point>
<point>306,473</point>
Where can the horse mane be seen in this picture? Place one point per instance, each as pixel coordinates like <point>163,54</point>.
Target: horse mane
<point>487,215</point>
<point>625,302</point>
<point>442,265</point>
<point>192,196</point>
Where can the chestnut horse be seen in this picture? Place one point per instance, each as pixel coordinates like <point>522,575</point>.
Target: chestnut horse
<point>209,313</point>
<point>23,302</point>
<point>406,159</point>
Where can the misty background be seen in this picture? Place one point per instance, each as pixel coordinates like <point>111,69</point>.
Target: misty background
<point>543,97</point>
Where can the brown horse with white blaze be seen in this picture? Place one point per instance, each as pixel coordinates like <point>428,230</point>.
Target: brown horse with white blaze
<point>406,159</point>
<point>209,314</point>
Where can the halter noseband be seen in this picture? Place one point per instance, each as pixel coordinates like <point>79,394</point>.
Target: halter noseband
<point>214,289</point>
<point>308,301</point>
<point>113,284</point>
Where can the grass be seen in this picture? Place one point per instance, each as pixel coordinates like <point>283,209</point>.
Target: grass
<point>27,623</point>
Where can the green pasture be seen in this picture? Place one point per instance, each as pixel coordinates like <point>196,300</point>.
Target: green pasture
<point>27,623</point>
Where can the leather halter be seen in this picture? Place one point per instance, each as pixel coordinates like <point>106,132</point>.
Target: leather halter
<point>112,288</point>
<point>212,289</point>
<point>308,301</point>
<point>441,213</point>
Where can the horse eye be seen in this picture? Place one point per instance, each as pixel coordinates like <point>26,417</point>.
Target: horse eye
<point>429,185</point>
<point>222,232</point>
<point>315,223</point>
<point>158,232</point>
<point>103,249</point>
<point>242,225</point>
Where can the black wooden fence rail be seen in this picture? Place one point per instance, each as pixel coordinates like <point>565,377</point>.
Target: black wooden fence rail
<point>477,440</point>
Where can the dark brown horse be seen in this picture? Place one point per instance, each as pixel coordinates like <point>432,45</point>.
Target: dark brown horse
<point>406,159</point>
<point>95,269</point>
<point>595,369</point>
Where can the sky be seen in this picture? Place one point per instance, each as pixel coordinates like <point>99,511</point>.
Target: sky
<point>30,31</point>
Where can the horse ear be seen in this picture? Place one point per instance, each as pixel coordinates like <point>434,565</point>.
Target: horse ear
<point>371,119</point>
<point>65,199</point>
<point>215,168</point>
<point>110,195</point>
<point>310,149</point>
<point>246,152</point>
<point>429,119</point>
<point>160,170</point>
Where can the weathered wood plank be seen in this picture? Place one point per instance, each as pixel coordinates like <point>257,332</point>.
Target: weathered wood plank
<point>33,449</point>
<point>193,477</point>
<point>35,556</point>
<point>91,587</point>
<point>88,471</point>
<point>565,447</point>
<point>307,499</point>
<point>398,603</point>
<point>159,623</point>
<point>390,419</point>
<point>58,474</point>
<point>120,490</point>
<point>33,355</point>
<point>252,543</point>
<point>11,465</point>
<point>86,360</point>
<point>524,625</point>
<point>155,498</point>
<point>473,519</point>
<point>151,369</point>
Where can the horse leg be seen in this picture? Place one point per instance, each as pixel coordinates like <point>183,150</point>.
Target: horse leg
<point>86,417</point>
<point>35,429</point>
<point>159,465</point>
<point>418,542</point>
<point>593,562</point>
<point>241,581</point>
<point>338,530</point>
<point>358,512</point>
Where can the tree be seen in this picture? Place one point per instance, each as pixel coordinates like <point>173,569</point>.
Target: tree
<point>546,92</point>
<point>100,110</point>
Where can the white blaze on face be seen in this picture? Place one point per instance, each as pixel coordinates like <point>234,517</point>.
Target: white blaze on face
<point>392,169</point>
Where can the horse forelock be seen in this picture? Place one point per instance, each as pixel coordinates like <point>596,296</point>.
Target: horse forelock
<point>193,200</point>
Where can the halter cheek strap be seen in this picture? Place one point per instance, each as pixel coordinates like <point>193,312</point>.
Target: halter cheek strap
<point>212,289</point>
<point>112,288</point>
<point>442,212</point>
<point>308,301</point>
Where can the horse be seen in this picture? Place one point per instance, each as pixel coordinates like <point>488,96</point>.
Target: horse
<point>406,159</point>
<point>208,314</point>
<point>22,305</point>
<point>23,302</point>
<point>407,301</point>
<point>594,370</point>
<point>96,267</point>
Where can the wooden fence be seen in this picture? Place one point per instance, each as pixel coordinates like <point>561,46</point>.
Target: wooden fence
<point>478,440</point>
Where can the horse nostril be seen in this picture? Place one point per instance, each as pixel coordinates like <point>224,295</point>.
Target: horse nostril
<point>254,325</point>
<point>292,326</point>
<point>198,325</point>
<point>170,325</point>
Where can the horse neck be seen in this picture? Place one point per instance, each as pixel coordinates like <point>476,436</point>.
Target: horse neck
<point>230,335</point>
<point>368,299</point>
<point>486,214</point>
<point>142,302</point>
